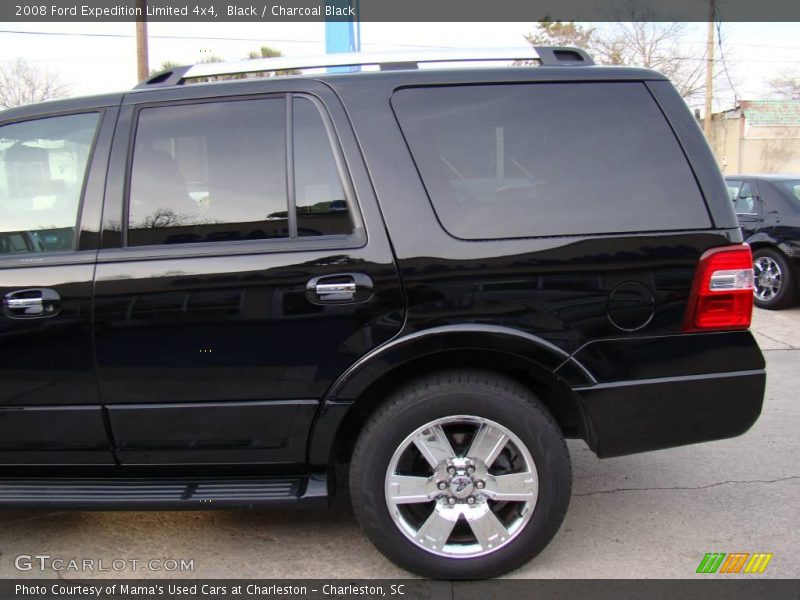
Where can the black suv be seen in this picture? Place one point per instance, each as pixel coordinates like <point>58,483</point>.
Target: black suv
<point>214,294</point>
<point>768,209</point>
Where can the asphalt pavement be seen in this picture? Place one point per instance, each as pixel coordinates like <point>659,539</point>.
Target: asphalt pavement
<point>651,515</point>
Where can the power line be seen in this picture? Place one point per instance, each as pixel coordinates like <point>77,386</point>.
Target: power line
<point>202,37</point>
<point>724,62</point>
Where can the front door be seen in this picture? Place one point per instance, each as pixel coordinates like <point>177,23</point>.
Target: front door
<point>247,270</point>
<point>747,205</point>
<point>49,405</point>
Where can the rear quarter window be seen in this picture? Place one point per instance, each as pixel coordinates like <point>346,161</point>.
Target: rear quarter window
<point>547,159</point>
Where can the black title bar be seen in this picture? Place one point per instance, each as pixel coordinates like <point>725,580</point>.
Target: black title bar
<point>397,10</point>
<point>703,587</point>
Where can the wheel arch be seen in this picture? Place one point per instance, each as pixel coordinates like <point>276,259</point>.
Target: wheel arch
<point>762,240</point>
<point>542,367</point>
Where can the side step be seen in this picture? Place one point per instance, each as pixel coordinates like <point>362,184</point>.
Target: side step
<point>163,493</point>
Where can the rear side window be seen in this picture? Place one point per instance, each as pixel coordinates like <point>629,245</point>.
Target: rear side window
<point>220,171</point>
<point>321,205</point>
<point>509,161</point>
<point>209,172</point>
<point>42,170</point>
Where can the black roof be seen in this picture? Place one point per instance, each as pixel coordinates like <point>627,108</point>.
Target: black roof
<point>381,79</point>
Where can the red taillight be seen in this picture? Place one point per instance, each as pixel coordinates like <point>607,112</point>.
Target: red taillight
<point>722,291</point>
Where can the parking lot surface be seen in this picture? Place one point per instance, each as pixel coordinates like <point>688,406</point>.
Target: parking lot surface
<point>648,515</point>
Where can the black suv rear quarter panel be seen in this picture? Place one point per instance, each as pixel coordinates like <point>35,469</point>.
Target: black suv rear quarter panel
<point>557,288</point>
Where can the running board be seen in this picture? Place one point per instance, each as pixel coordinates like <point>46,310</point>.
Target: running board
<point>163,493</point>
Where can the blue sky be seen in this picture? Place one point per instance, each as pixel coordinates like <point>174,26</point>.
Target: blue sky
<point>754,52</point>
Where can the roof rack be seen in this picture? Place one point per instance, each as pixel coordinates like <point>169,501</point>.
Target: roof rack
<point>543,55</point>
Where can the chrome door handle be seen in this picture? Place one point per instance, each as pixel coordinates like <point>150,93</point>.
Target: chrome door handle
<point>31,306</point>
<point>32,303</point>
<point>340,288</point>
<point>325,289</point>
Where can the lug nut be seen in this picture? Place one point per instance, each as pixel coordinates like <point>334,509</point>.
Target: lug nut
<point>470,470</point>
<point>480,485</point>
<point>441,485</point>
<point>451,500</point>
<point>470,500</point>
<point>451,470</point>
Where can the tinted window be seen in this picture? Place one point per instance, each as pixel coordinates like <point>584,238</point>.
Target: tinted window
<point>745,201</point>
<point>548,159</point>
<point>733,189</point>
<point>321,205</point>
<point>792,187</point>
<point>209,172</point>
<point>42,169</point>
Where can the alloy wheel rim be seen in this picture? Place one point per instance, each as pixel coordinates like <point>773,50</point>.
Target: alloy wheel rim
<point>461,486</point>
<point>767,278</point>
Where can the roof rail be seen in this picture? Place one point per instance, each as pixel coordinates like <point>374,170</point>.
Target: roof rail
<point>544,55</point>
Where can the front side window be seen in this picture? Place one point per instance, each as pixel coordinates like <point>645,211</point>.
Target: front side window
<point>745,201</point>
<point>42,170</point>
<point>733,189</point>
<point>209,172</point>
<point>544,159</point>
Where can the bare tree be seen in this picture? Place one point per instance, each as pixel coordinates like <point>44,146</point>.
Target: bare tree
<point>641,43</point>
<point>164,217</point>
<point>655,46</point>
<point>786,85</point>
<point>24,83</point>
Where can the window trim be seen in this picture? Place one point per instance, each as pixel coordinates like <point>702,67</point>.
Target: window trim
<point>356,239</point>
<point>100,112</point>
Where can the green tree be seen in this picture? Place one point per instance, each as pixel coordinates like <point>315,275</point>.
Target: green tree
<point>167,65</point>
<point>269,52</point>
<point>558,33</point>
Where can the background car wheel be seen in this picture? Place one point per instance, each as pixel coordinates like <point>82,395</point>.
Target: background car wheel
<point>461,474</point>
<point>774,285</point>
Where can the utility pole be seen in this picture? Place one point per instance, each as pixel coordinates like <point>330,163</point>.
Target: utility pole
<point>142,62</point>
<point>709,69</point>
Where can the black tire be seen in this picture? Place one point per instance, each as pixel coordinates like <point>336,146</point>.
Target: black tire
<point>462,392</point>
<point>787,294</point>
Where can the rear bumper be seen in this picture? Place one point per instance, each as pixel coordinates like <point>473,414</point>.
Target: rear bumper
<point>654,393</point>
<point>637,416</point>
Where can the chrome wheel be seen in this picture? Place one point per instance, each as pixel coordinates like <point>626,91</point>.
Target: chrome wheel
<point>461,486</point>
<point>767,278</point>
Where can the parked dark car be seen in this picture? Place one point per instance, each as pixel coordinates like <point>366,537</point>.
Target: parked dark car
<point>433,276</point>
<point>768,209</point>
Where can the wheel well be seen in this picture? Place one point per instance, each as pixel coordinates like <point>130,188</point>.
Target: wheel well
<point>554,393</point>
<point>761,245</point>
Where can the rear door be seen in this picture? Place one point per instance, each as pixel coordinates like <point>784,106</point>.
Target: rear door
<point>50,204</point>
<point>244,267</point>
